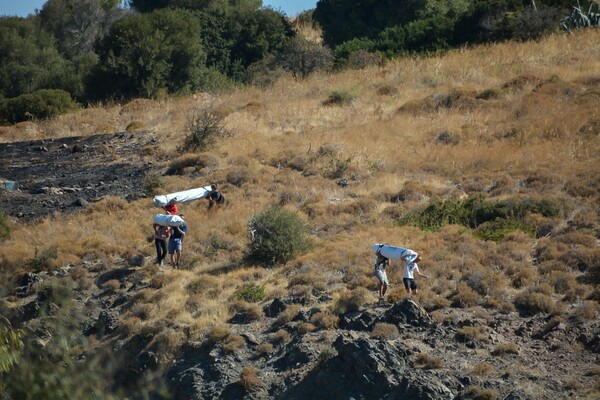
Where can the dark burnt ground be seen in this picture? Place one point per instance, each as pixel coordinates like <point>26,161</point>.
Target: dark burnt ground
<point>61,175</point>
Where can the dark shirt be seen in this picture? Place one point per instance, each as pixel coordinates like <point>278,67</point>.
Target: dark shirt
<point>176,234</point>
<point>216,196</point>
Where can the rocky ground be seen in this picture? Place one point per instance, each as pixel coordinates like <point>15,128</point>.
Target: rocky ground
<point>454,354</point>
<point>64,174</point>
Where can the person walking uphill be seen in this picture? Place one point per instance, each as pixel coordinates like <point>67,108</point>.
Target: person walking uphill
<point>176,243</point>
<point>380,264</point>
<point>161,233</point>
<point>411,259</point>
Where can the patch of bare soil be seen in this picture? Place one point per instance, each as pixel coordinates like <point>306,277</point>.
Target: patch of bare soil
<point>61,175</point>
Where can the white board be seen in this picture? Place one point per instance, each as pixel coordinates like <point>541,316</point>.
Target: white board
<point>182,197</point>
<point>168,220</point>
<point>392,252</point>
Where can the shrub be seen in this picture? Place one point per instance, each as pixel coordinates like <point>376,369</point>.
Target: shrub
<point>535,303</point>
<point>4,227</point>
<point>153,181</point>
<point>502,217</point>
<point>281,337</point>
<point>471,333</point>
<point>324,320</point>
<point>251,292</point>
<point>427,361</point>
<point>474,392</point>
<point>264,349</point>
<point>218,333</point>
<point>42,104</point>
<point>339,98</point>
<point>233,343</point>
<point>303,57</point>
<point>464,297</point>
<point>482,369</point>
<point>249,379</point>
<point>177,166</point>
<point>277,235</point>
<point>43,260</point>
<point>505,348</point>
<point>385,331</point>
<point>246,312</point>
<point>351,300</point>
<point>204,129</point>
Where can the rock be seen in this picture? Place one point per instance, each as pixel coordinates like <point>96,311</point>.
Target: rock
<point>77,149</point>
<point>107,322</point>
<point>273,309</point>
<point>357,321</point>
<point>80,202</point>
<point>407,312</point>
<point>137,261</point>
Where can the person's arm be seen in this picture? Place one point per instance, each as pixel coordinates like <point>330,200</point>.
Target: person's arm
<point>420,274</point>
<point>181,231</point>
<point>155,226</point>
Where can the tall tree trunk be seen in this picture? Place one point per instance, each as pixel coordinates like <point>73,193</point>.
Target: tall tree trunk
<point>533,5</point>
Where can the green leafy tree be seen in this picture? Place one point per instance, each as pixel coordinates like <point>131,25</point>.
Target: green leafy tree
<point>150,54</point>
<point>28,59</point>
<point>302,57</point>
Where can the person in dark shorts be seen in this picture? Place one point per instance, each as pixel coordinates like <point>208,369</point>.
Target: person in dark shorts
<point>411,259</point>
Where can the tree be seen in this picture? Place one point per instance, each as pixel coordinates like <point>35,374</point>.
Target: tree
<point>149,54</point>
<point>302,57</point>
<point>28,59</point>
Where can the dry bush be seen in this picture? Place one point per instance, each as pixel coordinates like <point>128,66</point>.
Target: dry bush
<point>135,126</point>
<point>474,333</point>
<point>240,175</point>
<point>531,303</point>
<point>218,334</point>
<point>247,312</point>
<point>562,282</point>
<point>130,325</point>
<point>142,311</point>
<point>205,284</point>
<point>281,337</point>
<point>482,369</point>
<point>287,315</point>
<point>587,310</point>
<point>233,343</point>
<point>464,296</point>
<point>186,162</point>
<point>108,205</point>
<point>477,393</point>
<point>305,327</point>
<point>264,349</point>
<point>249,379</point>
<point>427,361</point>
<point>168,341</point>
<point>484,280</point>
<point>325,320</point>
<point>385,331</point>
<point>112,285</point>
<point>351,300</point>
<point>505,348</point>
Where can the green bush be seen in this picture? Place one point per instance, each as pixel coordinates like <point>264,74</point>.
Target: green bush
<point>251,292</point>
<point>42,104</point>
<point>43,260</point>
<point>4,227</point>
<point>277,235</point>
<point>492,220</point>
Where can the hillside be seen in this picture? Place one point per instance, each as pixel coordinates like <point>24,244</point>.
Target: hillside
<point>484,160</point>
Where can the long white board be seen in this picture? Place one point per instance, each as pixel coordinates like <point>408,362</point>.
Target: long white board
<point>182,197</point>
<point>168,220</point>
<point>392,252</point>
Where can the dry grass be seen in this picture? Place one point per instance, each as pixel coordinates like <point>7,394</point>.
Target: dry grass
<point>427,361</point>
<point>289,149</point>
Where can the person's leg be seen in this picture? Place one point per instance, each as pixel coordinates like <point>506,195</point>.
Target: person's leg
<point>177,258</point>
<point>172,251</point>
<point>163,245</point>
<point>158,249</point>
<point>413,286</point>
<point>406,285</point>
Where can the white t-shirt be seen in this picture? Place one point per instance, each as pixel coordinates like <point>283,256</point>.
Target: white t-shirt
<point>409,264</point>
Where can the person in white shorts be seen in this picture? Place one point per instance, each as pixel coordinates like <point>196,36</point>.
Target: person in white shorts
<point>380,264</point>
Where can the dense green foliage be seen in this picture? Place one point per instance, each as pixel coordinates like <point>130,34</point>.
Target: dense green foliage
<point>99,50</point>
<point>277,236</point>
<point>491,220</point>
<point>251,292</point>
<point>41,104</point>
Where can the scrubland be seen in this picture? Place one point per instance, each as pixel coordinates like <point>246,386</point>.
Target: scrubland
<point>507,122</point>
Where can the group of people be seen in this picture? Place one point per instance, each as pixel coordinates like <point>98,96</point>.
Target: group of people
<point>173,235</point>
<point>410,258</point>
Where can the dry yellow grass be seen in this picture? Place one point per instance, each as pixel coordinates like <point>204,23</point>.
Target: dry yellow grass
<point>531,139</point>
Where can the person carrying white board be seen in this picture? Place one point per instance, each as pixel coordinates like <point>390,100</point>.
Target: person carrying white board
<point>411,259</point>
<point>380,264</point>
